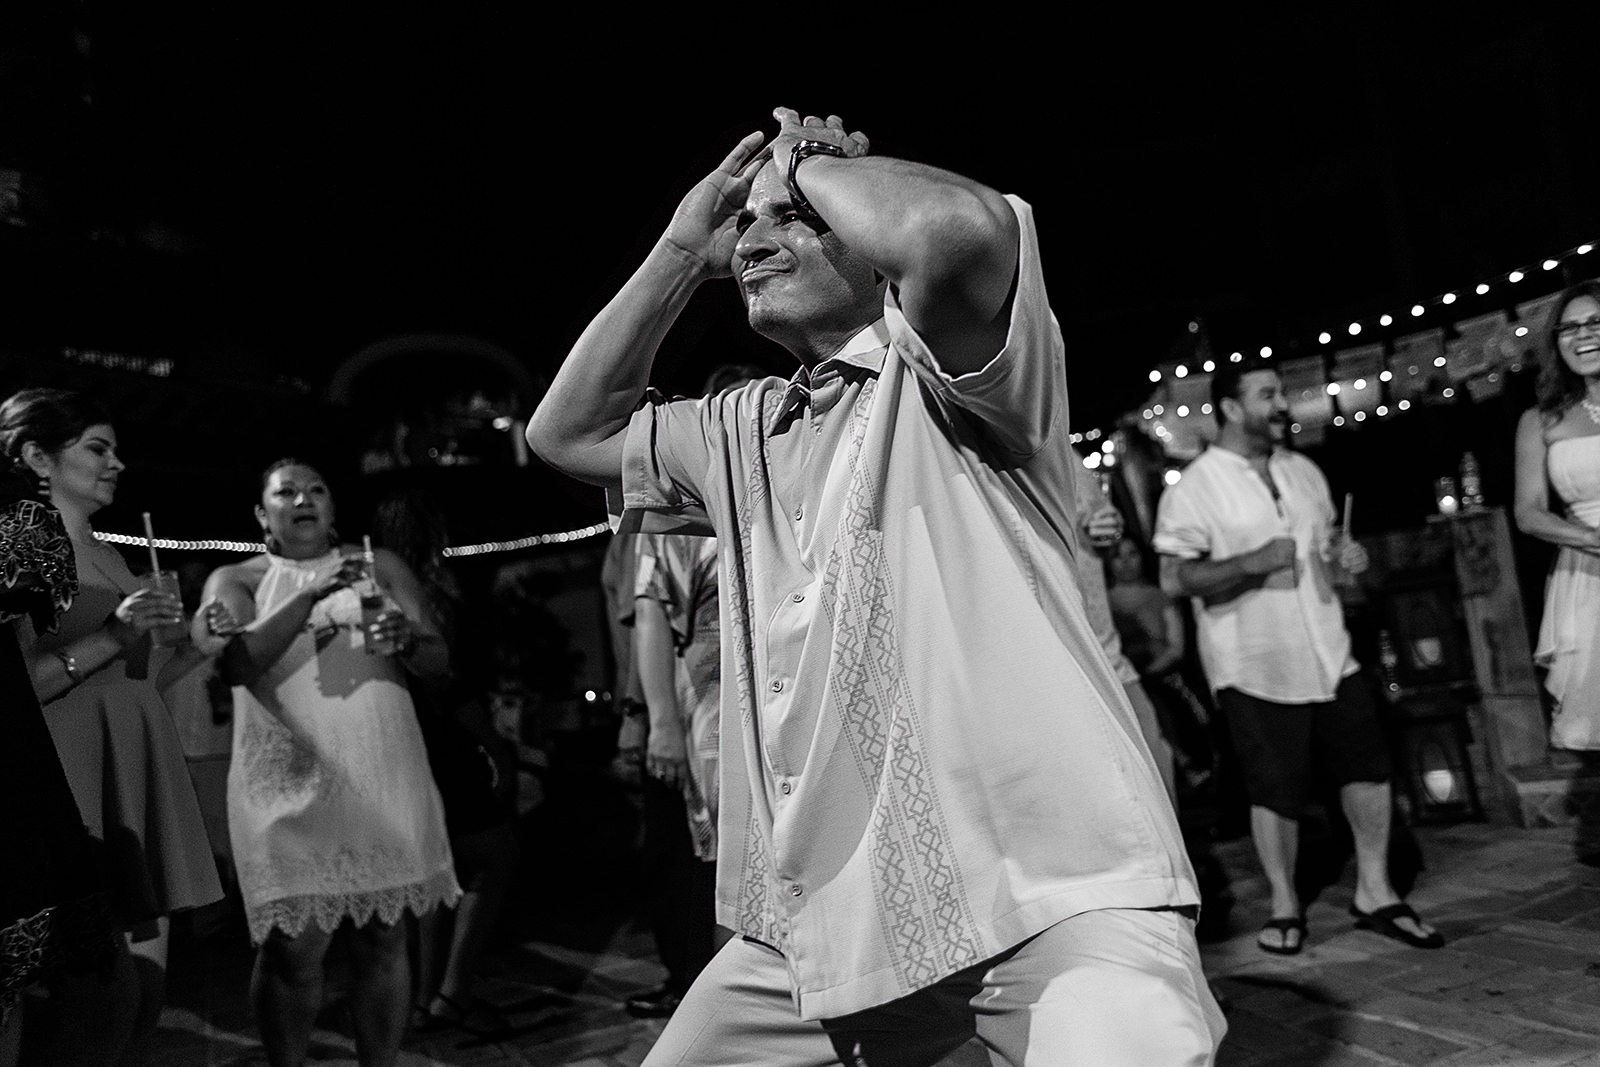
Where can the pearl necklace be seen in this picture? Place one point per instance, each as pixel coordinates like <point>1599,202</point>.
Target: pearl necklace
<point>1592,408</point>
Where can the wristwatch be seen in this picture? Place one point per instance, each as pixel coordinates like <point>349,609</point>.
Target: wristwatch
<point>801,150</point>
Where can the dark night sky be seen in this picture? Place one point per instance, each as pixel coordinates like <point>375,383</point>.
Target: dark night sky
<point>496,170</point>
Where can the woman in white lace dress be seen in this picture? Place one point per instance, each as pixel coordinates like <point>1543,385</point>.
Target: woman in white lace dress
<point>332,811</point>
<point>1558,446</point>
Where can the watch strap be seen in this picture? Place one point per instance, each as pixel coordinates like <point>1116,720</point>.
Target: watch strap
<point>800,151</point>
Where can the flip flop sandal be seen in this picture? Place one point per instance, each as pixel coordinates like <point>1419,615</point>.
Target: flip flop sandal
<point>1382,921</point>
<point>1295,924</point>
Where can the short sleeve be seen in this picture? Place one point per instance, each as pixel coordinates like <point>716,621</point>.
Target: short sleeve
<point>1021,395</point>
<point>1181,527</point>
<point>38,576</point>
<point>663,454</point>
<point>660,578</point>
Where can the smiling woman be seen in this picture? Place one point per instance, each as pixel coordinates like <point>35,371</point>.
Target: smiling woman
<point>1558,444</point>
<point>98,676</point>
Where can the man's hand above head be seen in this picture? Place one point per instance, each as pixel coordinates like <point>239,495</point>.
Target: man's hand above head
<point>702,228</point>
<point>792,130</point>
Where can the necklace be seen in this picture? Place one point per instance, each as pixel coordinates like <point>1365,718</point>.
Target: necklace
<point>1592,408</point>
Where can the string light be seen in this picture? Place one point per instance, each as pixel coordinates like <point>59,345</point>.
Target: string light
<point>486,548</point>
<point>1325,337</point>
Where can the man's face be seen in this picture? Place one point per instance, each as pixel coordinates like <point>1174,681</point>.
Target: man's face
<point>792,278</point>
<point>1262,410</point>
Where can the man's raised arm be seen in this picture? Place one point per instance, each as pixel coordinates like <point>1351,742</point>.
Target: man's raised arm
<point>579,426</point>
<point>946,243</point>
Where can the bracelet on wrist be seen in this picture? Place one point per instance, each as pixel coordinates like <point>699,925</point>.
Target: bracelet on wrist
<point>69,664</point>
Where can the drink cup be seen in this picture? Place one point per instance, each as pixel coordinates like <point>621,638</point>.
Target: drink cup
<point>178,632</point>
<point>375,606</point>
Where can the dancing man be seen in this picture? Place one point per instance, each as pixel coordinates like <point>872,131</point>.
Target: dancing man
<point>938,817</point>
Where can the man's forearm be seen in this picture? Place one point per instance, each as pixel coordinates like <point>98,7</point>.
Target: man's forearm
<point>905,218</point>
<point>1209,579</point>
<point>579,424</point>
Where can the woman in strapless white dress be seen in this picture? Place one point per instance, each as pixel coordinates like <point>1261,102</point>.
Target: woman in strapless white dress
<point>1558,446</point>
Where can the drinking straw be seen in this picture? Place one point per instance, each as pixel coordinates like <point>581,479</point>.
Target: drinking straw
<point>150,543</point>
<point>366,553</point>
<point>1349,505</point>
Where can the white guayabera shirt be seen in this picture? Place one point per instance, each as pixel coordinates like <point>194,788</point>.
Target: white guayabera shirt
<point>926,757</point>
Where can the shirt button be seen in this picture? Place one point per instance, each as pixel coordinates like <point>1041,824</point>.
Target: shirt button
<point>785,788</point>
<point>798,512</point>
<point>795,890</point>
<point>777,685</point>
<point>798,597</point>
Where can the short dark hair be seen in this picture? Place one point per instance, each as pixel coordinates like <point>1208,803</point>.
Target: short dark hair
<point>50,418</point>
<point>1225,382</point>
<point>1559,386</point>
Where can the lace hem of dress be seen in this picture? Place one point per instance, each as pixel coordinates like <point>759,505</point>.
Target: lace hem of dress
<point>328,910</point>
<point>33,541</point>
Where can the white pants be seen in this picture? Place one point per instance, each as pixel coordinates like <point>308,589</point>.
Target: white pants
<point>1114,988</point>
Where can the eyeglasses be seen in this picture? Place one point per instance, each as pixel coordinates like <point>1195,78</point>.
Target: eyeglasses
<point>1568,330</point>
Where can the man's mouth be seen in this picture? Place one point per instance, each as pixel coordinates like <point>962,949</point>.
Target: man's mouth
<point>754,272</point>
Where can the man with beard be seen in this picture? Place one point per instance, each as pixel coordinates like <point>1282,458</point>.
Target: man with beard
<point>1249,534</point>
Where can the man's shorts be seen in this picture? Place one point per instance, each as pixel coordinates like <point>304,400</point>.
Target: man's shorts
<point>1286,750</point>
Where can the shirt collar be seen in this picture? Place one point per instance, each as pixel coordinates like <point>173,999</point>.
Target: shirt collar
<point>864,352</point>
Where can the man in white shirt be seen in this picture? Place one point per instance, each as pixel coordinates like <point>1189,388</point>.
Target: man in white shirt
<point>938,817</point>
<point>1249,534</point>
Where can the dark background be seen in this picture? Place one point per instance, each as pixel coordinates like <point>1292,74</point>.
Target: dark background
<point>258,192</point>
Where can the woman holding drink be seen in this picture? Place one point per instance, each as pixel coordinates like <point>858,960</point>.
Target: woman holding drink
<point>97,677</point>
<point>332,811</point>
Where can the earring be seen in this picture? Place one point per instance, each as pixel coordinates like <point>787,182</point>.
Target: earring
<point>44,487</point>
<point>274,546</point>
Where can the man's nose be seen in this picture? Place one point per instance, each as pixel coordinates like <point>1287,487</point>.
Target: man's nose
<point>755,242</point>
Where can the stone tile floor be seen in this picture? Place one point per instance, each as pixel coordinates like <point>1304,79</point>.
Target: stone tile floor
<point>1518,985</point>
